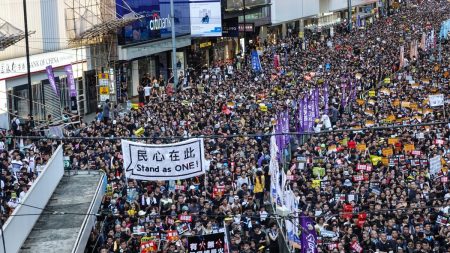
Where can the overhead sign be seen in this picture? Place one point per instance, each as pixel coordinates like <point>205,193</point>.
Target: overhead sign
<point>205,44</point>
<point>163,162</point>
<point>39,62</point>
<point>207,243</point>
<point>249,27</point>
<point>436,100</point>
<point>158,23</point>
<point>206,18</point>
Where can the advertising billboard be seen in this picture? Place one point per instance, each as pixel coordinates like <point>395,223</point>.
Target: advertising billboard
<point>155,23</point>
<point>206,18</point>
<point>238,4</point>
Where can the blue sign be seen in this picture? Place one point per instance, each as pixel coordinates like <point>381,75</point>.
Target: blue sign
<point>155,23</point>
<point>256,63</point>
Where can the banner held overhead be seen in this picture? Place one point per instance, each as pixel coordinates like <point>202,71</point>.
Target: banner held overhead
<point>163,162</point>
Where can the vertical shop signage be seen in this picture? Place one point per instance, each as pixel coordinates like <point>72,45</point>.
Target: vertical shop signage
<point>51,78</point>
<point>70,81</point>
<point>72,87</point>
<point>103,89</point>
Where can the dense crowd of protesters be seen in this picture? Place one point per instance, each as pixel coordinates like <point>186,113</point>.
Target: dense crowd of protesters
<point>393,206</point>
<point>21,162</point>
<point>375,194</point>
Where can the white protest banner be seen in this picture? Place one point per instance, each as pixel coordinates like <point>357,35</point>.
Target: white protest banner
<point>163,162</point>
<point>436,100</point>
<point>435,165</point>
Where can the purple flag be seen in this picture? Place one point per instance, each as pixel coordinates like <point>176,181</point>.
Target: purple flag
<point>51,79</point>
<point>287,137</point>
<point>316,103</point>
<point>344,96</point>
<point>309,235</point>
<point>70,81</point>
<point>326,98</point>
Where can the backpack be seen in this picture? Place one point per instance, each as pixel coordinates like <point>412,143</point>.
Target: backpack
<point>14,124</point>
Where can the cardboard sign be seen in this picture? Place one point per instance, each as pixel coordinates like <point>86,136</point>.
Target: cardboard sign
<point>391,118</point>
<point>369,123</point>
<point>387,152</point>
<point>396,103</point>
<point>414,106</point>
<point>332,148</point>
<point>360,102</point>
<point>405,104</point>
<point>361,147</point>
<point>409,147</point>
<point>392,141</point>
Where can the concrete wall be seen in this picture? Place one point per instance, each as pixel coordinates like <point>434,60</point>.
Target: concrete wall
<point>19,225</point>
<point>287,10</point>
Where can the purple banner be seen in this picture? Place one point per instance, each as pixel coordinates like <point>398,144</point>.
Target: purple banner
<point>70,81</point>
<point>326,98</point>
<point>316,103</point>
<point>309,235</point>
<point>287,137</point>
<point>51,79</point>
<point>310,108</point>
<point>344,96</point>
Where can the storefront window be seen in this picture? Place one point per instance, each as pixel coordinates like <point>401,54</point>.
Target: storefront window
<point>255,14</point>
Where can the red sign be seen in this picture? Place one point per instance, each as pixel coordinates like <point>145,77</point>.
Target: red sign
<point>149,246</point>
<point>218,191</point>
<point>172,235</point>
<point>361,167</point>
<point>358,178</point>
<point>439,142</point>
<point>416,152</point>
<point>185,218</point>
<point>180,187</point>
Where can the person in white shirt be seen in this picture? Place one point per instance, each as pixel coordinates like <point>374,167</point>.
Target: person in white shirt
<point>2,145</point>
<point>242,180</point>
<point>326,122</point>
<point>16,164</point>
<point>147,93</point>
<point>23,193</point>
<point>13,202</point>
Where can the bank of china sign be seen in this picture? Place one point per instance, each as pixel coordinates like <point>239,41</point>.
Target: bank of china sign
<point>163,162</point>
<point>158,23</point>
<point>38,62</point>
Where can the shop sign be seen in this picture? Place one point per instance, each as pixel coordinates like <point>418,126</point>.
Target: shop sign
<point>205,44</point>
<point>249,27</point>
<point>230,27</point>
<point>158,23</point>
<point>104,90</point>
<point>39,62</point>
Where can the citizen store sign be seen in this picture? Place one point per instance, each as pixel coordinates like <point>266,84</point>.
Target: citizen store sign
<point>158,23</point>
